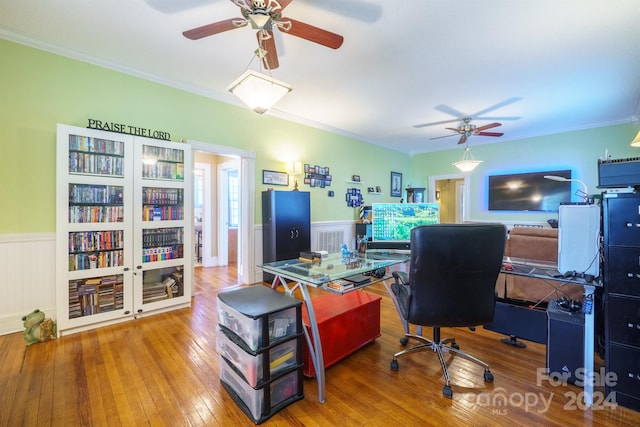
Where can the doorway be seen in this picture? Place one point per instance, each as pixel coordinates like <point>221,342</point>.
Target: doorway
<point>212,222</point>
<point>228,212</point>
<point>451,192</point>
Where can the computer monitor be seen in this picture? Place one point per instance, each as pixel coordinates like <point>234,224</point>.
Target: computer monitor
<point>392,223</point>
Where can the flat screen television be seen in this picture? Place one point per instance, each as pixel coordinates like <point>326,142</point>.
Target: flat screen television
<point>529,191</point>
<point>391,223</point>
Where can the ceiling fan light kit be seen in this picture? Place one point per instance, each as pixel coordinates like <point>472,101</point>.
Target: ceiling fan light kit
<point>258,91</point>
<point>468,163</point>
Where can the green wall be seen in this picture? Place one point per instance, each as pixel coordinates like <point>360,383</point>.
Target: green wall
<point>578,151</point>
<point>40,89</point>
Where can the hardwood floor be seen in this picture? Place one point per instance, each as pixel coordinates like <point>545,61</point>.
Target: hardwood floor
<point>163,370</point>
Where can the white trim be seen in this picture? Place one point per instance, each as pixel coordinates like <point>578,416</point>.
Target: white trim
<point>27,237</point>
<point>246,270</point>
<point>223,210</point>
<point>207,259</point>
<point>466,194</point>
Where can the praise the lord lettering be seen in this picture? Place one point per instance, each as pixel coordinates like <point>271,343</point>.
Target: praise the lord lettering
<point>128,129</point>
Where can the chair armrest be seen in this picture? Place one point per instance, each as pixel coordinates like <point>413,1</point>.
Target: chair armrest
<point>402,291</point>
<point>401,277</point>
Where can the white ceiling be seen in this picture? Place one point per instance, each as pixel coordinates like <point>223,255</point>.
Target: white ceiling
<point>537,66</point>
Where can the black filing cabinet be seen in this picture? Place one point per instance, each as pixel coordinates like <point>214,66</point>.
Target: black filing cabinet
<point>286,226</point>
<point>622,295</point>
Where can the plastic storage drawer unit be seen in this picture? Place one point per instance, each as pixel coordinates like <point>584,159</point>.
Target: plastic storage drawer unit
<point>252,365</point>
<point>259,340</point>
<point>263,402</point>
<point>244,318</point>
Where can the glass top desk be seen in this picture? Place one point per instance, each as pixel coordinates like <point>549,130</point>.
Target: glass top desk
<point>318,275</point>
<point>548,271</point>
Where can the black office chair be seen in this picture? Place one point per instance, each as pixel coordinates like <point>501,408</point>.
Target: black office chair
<point>451,283</point>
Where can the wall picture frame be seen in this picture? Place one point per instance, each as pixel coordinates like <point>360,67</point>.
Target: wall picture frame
<point>396,184</point>
<point>275,177</point>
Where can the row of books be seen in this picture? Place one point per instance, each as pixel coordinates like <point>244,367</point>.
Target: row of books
<point>162,196</point>
<point>92,241</point>
<point>82,214</point>
<point>95,295</point>
<point>162,237</point>
<point>88,261</point>
<point>174,171</point>
<point>162,154</point>
<point>162,213</point>
<point>96,194</point>
<point>95,145</point>
<point>168,288</point>
<point>98,164</point>
<point>162,253</point>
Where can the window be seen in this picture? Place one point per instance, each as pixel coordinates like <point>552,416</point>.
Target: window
<point>234,196</point>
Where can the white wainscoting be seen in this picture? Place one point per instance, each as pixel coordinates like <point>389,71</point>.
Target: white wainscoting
<point>27,263</point>
<point>318,230</point>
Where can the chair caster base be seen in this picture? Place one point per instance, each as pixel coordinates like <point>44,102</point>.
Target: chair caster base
<point>447,392</point>
<point>488,376</point>
<point>455,345</point>
<point>394,365</point>
<point>404,341</point>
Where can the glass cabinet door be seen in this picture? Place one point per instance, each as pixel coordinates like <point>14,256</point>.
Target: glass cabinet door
<point>94,237</point>
<point>163,203</point>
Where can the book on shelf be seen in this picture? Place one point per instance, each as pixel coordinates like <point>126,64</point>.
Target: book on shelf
<point>171,286</point>
<point>340,285</point>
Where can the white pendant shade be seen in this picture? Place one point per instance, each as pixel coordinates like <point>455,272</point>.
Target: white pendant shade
<point>259,91</point>
<point>468,163</point>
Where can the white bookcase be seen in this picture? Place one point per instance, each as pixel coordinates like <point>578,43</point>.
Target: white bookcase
<point>124,227</point>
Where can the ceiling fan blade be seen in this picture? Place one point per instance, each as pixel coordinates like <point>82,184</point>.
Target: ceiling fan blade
<point>424,125</point>
<point>444,136</point>
<point>496,106</point>
<point>284,3</point>
<point>454,129</point>
<point>215,28</point>
<point>311,33</point>
<point>498,118</point>
<point>489,126</point>
<point>451,111</point>
<point>270,61</point>
<point>490,134</point>
<point>463,139</point>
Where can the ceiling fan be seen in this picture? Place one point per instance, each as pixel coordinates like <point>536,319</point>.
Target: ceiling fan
<point>467,129</point>
<point>264,16</point>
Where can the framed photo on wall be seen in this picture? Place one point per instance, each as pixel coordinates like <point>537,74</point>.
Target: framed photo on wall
<point>396,184</point>
<point>275,178</point>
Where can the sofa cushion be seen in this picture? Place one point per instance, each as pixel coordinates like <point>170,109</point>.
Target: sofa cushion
<point>538,244</point>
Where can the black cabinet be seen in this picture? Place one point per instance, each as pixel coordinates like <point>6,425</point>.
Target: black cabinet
<point>286,226</point>
<point>622,295</point>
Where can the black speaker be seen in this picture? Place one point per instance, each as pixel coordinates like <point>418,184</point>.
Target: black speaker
<point>565,342</point>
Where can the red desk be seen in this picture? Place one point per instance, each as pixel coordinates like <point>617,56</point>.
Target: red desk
<point>345,322</point>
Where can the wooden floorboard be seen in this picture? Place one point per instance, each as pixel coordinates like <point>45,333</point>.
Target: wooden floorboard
<point>163,370</point>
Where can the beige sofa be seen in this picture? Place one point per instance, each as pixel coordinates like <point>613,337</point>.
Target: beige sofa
<point>537,244</point>
<point>522,301</point>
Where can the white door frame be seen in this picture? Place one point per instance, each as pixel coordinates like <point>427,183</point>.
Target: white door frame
<point>207,259</point>
<point>465,192</point>
<point>246,261</point>
<point>223,210</point>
